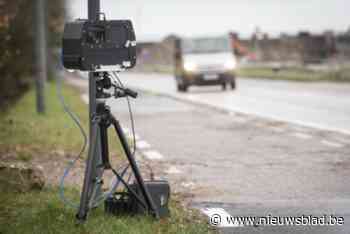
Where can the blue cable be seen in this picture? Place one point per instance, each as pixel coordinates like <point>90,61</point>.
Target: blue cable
<point>71,163</point>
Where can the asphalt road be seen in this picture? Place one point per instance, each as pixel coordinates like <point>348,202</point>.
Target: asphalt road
<point>244,164</point>
<point>323,105</point>
<point>240,163</point>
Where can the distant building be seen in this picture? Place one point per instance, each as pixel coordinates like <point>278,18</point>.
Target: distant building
<point>343,46</point>
<point>316,48</point>
<point>302,48</point>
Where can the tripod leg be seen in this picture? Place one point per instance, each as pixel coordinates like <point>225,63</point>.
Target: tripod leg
<point>104,146</point>
<point>91,173</point>
<point>138,177</point>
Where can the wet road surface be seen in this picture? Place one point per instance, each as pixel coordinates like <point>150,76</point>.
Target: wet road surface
<point>322,104</point>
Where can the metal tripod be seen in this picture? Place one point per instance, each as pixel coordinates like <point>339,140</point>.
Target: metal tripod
<point>102,119</point>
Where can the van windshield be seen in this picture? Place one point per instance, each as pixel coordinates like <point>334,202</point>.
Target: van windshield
<point>206,45</point>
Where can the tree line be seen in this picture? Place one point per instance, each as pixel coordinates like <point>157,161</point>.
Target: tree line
<point>17,57</point>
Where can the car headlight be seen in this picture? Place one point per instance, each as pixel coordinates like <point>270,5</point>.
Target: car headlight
<point>231,64</point>
<point>190,66</point>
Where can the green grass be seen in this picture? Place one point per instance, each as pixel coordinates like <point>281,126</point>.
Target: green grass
<point>42,212</point>
<point>24,131</point>
<point>298,74</point>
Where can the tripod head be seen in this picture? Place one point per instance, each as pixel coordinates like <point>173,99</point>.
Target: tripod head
<point>105,82</point>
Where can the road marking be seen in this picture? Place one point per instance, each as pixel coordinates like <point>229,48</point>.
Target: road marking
<point>260,125</point>
<point>131,135</point>
<point>143,145</point>
<point>153,155</point>
<point>188,184</point>
<point>128,133</point>
<point>224,217</point>
<point>137,137</point>
<point>191,97</point>
<point>85,98</point>
<point>125,130</point>
<point>332,144</point>
<point>173,170</point>
<point>239,119</point>
<point>300,129</point>
<point>277,129</point>
<point>302,135</point>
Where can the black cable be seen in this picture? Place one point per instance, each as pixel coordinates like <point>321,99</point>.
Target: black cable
<point>130,113</point>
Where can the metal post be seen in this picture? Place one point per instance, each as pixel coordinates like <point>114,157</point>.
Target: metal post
<point>93,14</point>
<point>93,10</point>
<point>41,54</point>
<point>91,187</point>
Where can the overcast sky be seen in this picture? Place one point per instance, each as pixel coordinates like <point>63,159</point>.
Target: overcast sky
<point>154,19</point>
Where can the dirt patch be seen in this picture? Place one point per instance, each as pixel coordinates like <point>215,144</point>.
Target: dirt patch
<point>53,165</point>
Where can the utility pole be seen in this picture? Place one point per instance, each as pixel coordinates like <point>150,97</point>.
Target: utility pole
<point>40,54</point>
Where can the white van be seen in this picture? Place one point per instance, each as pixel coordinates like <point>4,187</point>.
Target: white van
<point>205,61</point>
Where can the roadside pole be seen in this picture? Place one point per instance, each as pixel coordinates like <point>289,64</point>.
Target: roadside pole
<point>40,41</point>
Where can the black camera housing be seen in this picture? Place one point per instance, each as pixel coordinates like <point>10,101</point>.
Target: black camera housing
<point>99,45</point>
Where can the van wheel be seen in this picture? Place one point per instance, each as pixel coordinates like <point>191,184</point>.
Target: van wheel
<point>223,86</point>
<point>181,85</point>
<point>233,84</point>
<point>185,88</point>
<point>179,88</point>
<point>182,88</point>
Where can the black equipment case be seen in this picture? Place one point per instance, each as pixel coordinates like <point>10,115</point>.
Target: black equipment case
<point>124,203</point>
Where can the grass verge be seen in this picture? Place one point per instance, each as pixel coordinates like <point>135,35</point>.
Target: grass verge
<point>25,132</point>
<point>297,74</point>
<point>42,212</point>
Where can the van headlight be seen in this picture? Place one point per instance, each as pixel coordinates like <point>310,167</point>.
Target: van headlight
<point>190,66</point>
<point>230,65</point>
